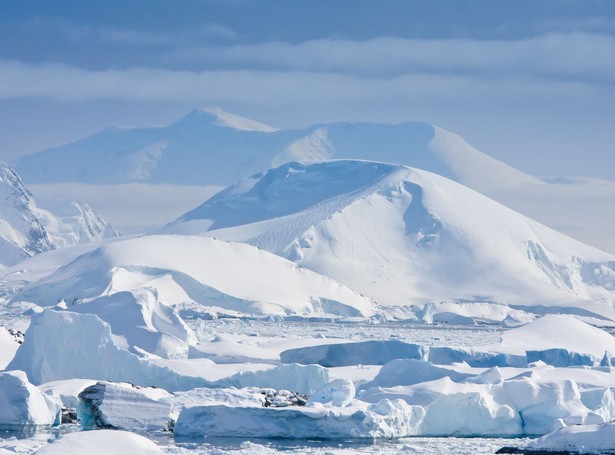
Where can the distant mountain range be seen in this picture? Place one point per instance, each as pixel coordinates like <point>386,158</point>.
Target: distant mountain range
<point>214,147</point>
<point>28,228</point>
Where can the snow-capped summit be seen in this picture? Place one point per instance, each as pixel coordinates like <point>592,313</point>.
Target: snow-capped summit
<point>22,233</point>
<point>213,147</point>
<point>218,117</point>
<point>405,236</point>
<point>27,229</point>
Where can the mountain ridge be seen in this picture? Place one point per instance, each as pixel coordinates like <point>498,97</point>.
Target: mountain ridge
<point>215,147</point>
<point>404,236</point>
<point>27,228</point>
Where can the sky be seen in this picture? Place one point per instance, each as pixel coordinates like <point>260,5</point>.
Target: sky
<point>529,82</point>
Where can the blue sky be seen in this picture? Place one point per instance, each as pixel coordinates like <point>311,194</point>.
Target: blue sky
<point>528,82</point>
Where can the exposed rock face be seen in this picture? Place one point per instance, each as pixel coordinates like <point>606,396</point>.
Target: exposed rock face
<point>27,229</point>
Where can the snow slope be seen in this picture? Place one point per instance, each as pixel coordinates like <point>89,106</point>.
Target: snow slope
<point>27,228</point>
<point>210,146</point>
<point>203,274</point>
<point>22,233</point>
<point>405,237</point>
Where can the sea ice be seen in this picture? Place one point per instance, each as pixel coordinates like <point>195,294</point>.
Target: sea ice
<point>23,406</point>
<point>100,442</point>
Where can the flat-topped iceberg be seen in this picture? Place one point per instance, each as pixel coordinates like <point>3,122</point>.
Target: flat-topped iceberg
<point>359,420</point>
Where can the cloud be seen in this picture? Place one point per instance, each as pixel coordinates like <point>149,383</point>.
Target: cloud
<point>603,23</point>
<point>104,34</point>
<point>219,31</point>
<point>266,87</point>
<point>571,55</point>
<point>547,67</point>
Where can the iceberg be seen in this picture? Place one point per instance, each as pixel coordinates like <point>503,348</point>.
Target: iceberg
<point>66,345</point>
<point>386,419</point>
<point>125,406</point>
<point>23,407</point>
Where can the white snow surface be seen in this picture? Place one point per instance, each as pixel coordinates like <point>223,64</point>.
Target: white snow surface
<point>385,419</point>
<point>556,332</point>
<point>213,274</point>
<point>100,442</point>
<point>491,404</point>
<point>588,439</point>
<point>8,347</point>
<point>124,406</point>
<point>67,389</point>
<point>25,407</point>
<point>237,122</point>
<point>407,237</point>
<point>27,228</point>
<point>66,345</point>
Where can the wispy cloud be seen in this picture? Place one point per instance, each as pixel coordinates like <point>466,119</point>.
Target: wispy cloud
<point>93,34</point>
<point>268,87</point>
<point>577,55</point>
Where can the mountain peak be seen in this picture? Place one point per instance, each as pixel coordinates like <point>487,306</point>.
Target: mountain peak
<point>218,117</point>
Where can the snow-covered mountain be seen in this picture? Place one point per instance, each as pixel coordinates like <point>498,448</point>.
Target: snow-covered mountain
<point>215,147</point>
<point>201,275</point>
<point>27,229</point>
<point>405,236</point>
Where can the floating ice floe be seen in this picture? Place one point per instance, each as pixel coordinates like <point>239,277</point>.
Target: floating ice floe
<point>598,439</point>
<point>100,442</point>
<point>23,407</point>
<point>385,419</point>
<point>125,406</point>
<point>489,404</point>
<point>372,352</point>
<point>556,340</point>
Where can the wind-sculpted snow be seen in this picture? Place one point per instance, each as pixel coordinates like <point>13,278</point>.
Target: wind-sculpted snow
<point>142,319</point>
<point>23,407</point>
<point>525,404</point>
<point>176,270</point>
<point>408,237</point>
<point>65,345</point>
